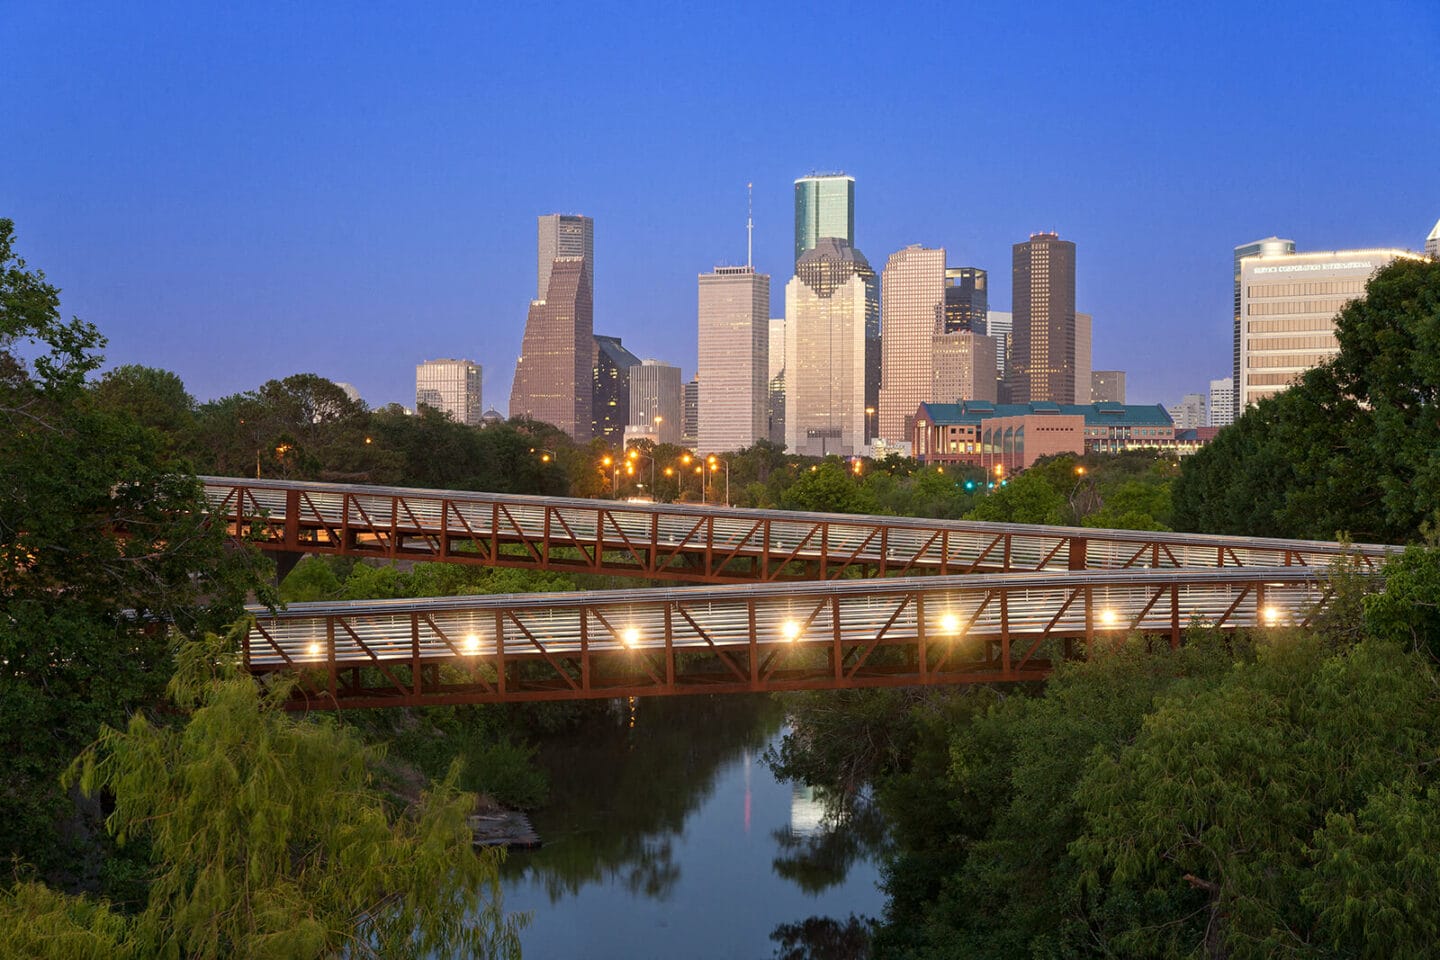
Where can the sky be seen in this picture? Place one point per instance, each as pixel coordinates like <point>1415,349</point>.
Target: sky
<point>242,191</point>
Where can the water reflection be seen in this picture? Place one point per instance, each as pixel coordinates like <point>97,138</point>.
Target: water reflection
<point>672,838</point>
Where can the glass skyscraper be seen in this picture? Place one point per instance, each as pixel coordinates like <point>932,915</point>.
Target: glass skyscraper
<point>967,299</point>
<point>824,207</point>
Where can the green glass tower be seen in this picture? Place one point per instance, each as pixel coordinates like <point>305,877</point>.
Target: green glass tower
<point>824,207</point>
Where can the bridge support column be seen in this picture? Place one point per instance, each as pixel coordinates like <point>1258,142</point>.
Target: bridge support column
<point>285,561</point>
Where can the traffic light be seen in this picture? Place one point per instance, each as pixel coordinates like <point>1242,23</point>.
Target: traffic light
<point>969,484</point>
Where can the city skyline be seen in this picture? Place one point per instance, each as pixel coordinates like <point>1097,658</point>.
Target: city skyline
<point>373,206</point>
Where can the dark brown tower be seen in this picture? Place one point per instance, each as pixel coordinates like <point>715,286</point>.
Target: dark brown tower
<point>554,375</point>
<point>1042,345</point>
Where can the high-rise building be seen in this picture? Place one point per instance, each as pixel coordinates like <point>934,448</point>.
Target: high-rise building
<point>1082,357</point>
<point>832,320</point>
<point>912,311</point>
<point>554,375</point>
<point>1432,242</point>
<point>967,299</point>
<point>1269,247</point>
<point>563,235</point>
<point>734,362</point>
<point>824,207</point>
<point>655,400</point>
<point>964,363</point>
<point>1222,402</point>
<point>1288,304</point>
<point>1189,413</point>
<point>450,386</point>
<point>999,325</point>
<point>690,412</point>
<point>776,409</point>
<point>610,389</point>
<point>1041,365</point>
<point>1107,386</point>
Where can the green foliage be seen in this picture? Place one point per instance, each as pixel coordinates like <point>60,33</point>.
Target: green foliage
<point>270,841</point>
<point>37,922</point>
<point>1027,498</point>
<point>152,398</point>
<point>1408,611</point>
<point>30,324</point>
<point>828,487</point>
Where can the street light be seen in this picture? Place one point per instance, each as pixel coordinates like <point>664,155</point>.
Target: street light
<point>870,427</point>
<point>632,454</point>
<point>714,462</point>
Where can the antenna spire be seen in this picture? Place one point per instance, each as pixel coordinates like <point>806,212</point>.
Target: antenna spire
<point>749,225</point>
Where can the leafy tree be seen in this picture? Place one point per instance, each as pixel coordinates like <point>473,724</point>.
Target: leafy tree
<point>269,839</point>
<point>828,488</point>
<point>153,398</point>
<point>1026,498</point>
<point>1408,611</point>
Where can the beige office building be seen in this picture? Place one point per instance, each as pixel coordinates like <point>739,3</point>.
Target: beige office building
<point>964,365</point>
<point>1107,386</point>
<point>775,409</point>
<point>1288,304</point>
<point>830,305</point>
<point>912,313</point>
<point>450,386</point>
<point>655,400</point>
<point>1082,358</point>
<point>563,235</point>
<point>734,360</point>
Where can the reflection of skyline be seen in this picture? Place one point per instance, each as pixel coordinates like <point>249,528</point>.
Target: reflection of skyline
<point>807,814</point>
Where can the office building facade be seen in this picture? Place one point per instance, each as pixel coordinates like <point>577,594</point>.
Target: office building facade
<point>656,402</point>
<point>563,235</point>
<point>912,310</point>
<point>1083,334</point>
<point>690,412</point>
<point>775,410</point>
<point>450,386</point>
<point>832,321</point>
<point>1041,364</point>
<point>1189,413</point>
<point>554,374</point>
<point>967,299</point>
<point>1107,386</point>
<point>1222,402</point>
<point>999,325</point>
<point>824,207</point>
<point>964,365</point>
<point>1432,243</point>
<point>734,359</point>
<point>1014,436</point>
<point>610,389</point>
<point>1269,247</point>
<point>1288,304</point>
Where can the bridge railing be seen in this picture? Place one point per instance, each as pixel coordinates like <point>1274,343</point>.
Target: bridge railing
<point>707,543</point>
<point>990,627</point>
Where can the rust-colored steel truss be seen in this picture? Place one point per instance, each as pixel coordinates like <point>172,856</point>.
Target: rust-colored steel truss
<point>705,544</point>
<point>766,637</point>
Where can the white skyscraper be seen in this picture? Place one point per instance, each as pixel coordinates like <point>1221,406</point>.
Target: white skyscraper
<point>1222,402</point>
<point>450,386</point>
<point>734,360</point>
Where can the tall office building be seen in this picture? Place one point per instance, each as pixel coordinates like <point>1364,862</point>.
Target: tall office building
<point>1432,242</point>
<point>563,235</point>
<point>999,324</point>
<point>450,386</point>
<point>1222,402</point>
<point>832,320</point>
<point>1189,413</point>
<point>776,409</point>
<point>964,364</point>
<point>824,207</point>
<point>554,375</point>
<point>912,311</point>
<point>967,299</point>
<point>1041,365</point>
<point>690,412</point>
<point>1288,304</point>
<point>734,362</point>
<point>1082,357</point>
<point>1269,247</point>
<point>1107,386</point>
<point>610,389</point>
<point>655,400</point>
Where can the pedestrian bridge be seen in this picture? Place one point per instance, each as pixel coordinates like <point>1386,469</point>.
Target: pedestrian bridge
<point>803,601</point>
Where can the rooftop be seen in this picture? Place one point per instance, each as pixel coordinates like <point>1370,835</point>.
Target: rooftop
<point>1095,414</point>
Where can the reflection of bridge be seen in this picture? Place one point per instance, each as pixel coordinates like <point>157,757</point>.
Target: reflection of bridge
<point>825,626</point>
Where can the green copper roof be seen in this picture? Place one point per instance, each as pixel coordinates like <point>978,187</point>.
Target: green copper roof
<point>1095,414</point>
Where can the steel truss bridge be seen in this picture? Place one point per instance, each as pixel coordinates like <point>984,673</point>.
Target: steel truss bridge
<point>793,600</point>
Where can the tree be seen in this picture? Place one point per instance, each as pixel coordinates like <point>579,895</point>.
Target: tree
<point>154,398</point>
<point>269,838</point>
<point>828,488</point>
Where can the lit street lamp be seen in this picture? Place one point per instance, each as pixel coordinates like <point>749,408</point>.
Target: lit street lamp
<point>714,463</point>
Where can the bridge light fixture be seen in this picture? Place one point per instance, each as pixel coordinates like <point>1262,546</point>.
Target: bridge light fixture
<point>630,636</point>
<point>1109,617</point>
<point>949,623</point>
<point>472,643</point>
<point>314,648</point>
<point>790,630</point>
<point>1271,615</point>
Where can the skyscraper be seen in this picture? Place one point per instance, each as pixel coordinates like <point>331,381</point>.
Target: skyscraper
<point>1189,413</point>
<point>999,324</point>
<point>1222,402</point>
<point>554,375</point>
<point>967,299</point>
<point>563,235</point>
<point>1269,247</point>
<point>1041,365</point>
<point>1432,242</point>
<point>1107,386</point>
<point>824,207</point>
<point>734,359</point>
<point>655,400</point>
<point>912,308</point>
<point>610,388</point>
<point>832,320</point>
<point>1082,357</point>
<point>776,408</point>
<point>690,415</point>
<point>964,363</point>
<point>450,386</point>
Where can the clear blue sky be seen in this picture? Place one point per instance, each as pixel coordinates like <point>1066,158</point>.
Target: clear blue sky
<point>348,189</point>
